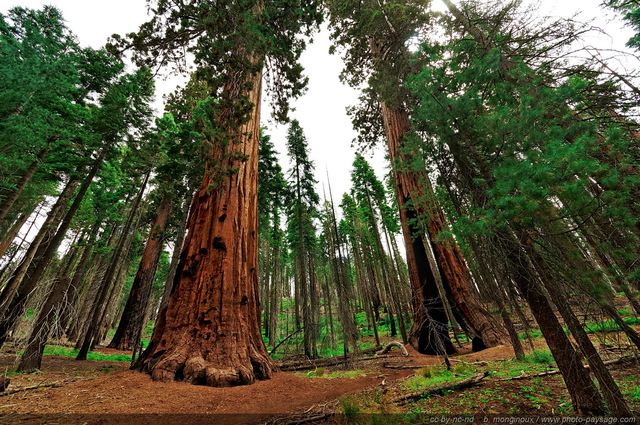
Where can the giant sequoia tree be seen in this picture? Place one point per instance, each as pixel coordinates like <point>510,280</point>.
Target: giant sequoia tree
<point>527,156</point>
<point>209,331</point>
<point>375,37</point>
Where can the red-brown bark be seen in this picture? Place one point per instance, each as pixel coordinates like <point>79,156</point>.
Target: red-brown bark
<point>209,332</point>
<point>131,322</point>
<point>26,177</point>
<point>429,334</point>
<point>12,232</point>
<point>414,191</point>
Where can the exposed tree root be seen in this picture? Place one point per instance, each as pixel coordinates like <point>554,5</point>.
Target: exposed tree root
<point>392,344</point>
<point>197,370</point>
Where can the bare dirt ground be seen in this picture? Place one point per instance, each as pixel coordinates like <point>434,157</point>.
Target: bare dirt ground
<point>99,391</point>
<point>105,392</point>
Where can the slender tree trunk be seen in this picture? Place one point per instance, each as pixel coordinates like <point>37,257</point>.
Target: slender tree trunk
<point>31,359</point>
<point>584,395</point>
<point>15,193</point>
<point>41,261</point>
<point>275,295</point>
<point>71,297</point>
<point>177,248</point>
<point>132,321</point>
<point>209,332</point>
<point>349,328</point>
<point>8,266</point>
<point>12,233</point>
<point>38,245</point>
<point>114,266</point>
<point>608,386</point>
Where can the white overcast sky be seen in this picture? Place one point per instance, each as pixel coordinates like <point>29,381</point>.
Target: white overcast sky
<point>321,111</point>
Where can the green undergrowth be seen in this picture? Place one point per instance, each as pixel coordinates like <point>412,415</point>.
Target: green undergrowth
<point>323,373</point>
<point>55,350</point>
<point>603,326</point>
<point>428,376</point>
<point>610,325</point>
<point>535,362</point>
<point>533,333</point>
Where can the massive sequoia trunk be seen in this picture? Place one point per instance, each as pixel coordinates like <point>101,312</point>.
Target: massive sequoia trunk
<point>429,334</point>
<point>131,322</point>
<point>411,188</point>
<point>209,332</point>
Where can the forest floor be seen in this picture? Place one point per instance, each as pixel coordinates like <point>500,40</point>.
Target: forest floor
<point>66,391</point>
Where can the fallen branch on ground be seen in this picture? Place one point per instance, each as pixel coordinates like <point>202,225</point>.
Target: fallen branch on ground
<point>327,361</point>
<point>556,371</point>
<point>403,366</point>
<point>284,340</point>
<point>36,387</point>
<point>472,363</point>
<point>454,386</point>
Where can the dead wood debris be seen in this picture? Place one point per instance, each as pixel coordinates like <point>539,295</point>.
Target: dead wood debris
<point>623,359</point>
<point>454,386</point>
<point>309,364</point>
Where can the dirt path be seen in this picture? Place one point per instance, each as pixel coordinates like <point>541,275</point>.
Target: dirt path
<point>109,393</point>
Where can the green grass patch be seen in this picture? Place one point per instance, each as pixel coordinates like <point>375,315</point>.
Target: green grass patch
<point>434,375</point>
<point>609,325</point>
<point>351,409</point>
<point>322,373</point>
<point>55,350</point>
<point>533,333</point>
<point>535,362</point>
<point>543,357</point>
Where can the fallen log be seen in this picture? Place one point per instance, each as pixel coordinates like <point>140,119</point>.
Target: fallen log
<point>454,386</point>
<point>556,371</point>
<point>403,366</point>
<point>37,387</point>
<point>324,362</point>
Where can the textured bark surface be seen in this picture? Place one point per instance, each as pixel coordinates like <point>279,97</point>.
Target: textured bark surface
<point>26,177</point>
<point>31,359</point>
<point>585,397</point>
<point>132,320</point>
<point>429,334</point>
<point>12,232</point>
<point>209,332</point>
<point>412,188</point>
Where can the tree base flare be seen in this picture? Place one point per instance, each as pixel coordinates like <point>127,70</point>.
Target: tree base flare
<point>196,370</point>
